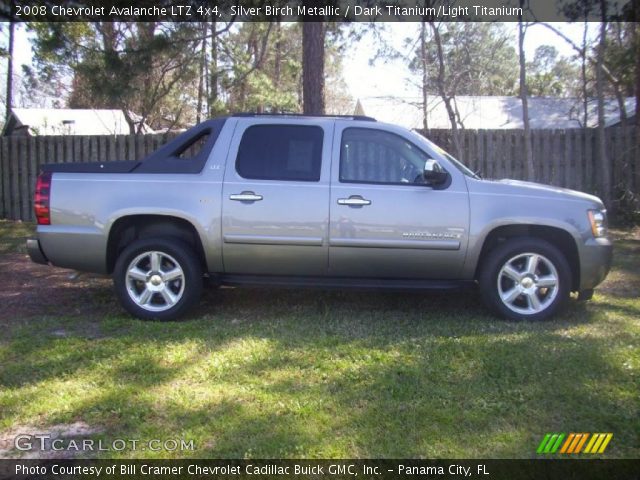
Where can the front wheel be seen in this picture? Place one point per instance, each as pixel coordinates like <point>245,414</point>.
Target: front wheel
<point>158,279</point>
<point>525,279</point>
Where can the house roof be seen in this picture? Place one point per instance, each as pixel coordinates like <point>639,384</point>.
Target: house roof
<point>67,121</point>
<point>484,112</point>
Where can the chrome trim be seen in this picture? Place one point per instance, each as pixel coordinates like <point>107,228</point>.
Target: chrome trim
<point>415,244</point>
<point>274,240</point>
<point>354,201</point>
<point>245,197</point>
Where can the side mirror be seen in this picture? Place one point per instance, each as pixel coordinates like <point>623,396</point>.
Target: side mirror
<point>434,174</point>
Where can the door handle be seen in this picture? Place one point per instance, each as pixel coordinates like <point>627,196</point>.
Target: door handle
<point>245,197</point>
<point>354,201</point>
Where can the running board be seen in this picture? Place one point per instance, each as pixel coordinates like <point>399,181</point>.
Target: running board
<point>338,282</point>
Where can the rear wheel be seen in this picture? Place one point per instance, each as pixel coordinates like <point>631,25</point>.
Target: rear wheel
<point>158,279</point>
<point>525,279</point>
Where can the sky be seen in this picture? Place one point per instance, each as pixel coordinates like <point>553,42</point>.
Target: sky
<point>393,78</point>
<point>383,79</point>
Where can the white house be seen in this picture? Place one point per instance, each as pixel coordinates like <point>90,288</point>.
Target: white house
<point>68,121</point>
<point>486,112</point>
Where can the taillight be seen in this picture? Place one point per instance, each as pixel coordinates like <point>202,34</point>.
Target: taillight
<point>42,198</point>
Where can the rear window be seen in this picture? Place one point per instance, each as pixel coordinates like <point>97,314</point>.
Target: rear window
<point>281,152</point>
<point>187,153</point>
<point>194,148</point>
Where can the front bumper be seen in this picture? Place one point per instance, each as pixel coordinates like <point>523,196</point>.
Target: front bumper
<point>595,262</point>
<point>35,252</point>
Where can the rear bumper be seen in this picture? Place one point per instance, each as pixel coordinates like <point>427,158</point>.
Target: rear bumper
<point>35,252</point>
<point>595,262</point>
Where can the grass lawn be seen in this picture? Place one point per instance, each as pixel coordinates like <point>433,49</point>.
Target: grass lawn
<point>13,236</point>
<point>303,373</point>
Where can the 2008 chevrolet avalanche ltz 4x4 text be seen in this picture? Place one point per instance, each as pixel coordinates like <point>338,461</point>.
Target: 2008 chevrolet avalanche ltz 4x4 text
<point>323,201</point>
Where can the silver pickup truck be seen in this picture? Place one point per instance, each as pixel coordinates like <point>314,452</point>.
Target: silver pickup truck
<point>316,201</point>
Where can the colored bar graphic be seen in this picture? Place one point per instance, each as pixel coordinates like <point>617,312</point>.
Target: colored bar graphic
<point>573,443</point>
<point>543,443</point>
<point>606,442</point>
<point>599,443</point>
<point>594,437</point>
<point>551,442</point>
<point>581,443</point>
<point>567,443</point>
<point>555,447</point>
<point>596,445</point>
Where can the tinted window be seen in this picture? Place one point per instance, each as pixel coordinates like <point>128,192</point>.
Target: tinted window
<point>193,149</point>
<point>374,156</point>
<point>187,153</point>
<point>280,152</point>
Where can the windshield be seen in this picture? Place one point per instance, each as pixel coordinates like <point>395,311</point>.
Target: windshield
<point>459,165</point>
<point>454,161</point>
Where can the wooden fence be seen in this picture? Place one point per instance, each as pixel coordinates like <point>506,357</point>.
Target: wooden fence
<point>21,157</point>
<point>566,158</point>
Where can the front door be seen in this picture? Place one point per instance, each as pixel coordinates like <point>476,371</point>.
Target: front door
<point>275,203</point>
<point>385,222</point>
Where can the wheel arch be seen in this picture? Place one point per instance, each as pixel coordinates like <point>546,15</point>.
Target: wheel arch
<point>556,236</point>
<point>129,228</point>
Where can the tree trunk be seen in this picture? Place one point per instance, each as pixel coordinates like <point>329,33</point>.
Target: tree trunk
<point>212,101</point>
<point>583,56</point>
<point>528,150</point>
<point>313,68</point>
<point>423,60</point>
<point>618,87</point>
<point>636,28</point>
<point>442,90</point>
<point>277,67</point>
<point>201,68</point>
<point>605,167</point>
<point>10,71</point>
<point>278,57</point>
<point>621,105</point>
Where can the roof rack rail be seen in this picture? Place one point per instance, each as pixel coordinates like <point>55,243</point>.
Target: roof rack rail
<point>256,114</point>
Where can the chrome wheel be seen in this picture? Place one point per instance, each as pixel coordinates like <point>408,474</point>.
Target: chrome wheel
<point>528,283</point>
<point>155,281</point>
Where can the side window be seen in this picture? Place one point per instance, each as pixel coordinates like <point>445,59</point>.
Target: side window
<point>193,148</point>
<point>280,152</point>
<point>374,156</point>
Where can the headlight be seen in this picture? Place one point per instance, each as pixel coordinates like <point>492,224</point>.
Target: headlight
<point>598,221</point>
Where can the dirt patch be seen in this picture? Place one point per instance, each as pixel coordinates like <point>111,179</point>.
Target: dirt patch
<point>30,289</point>
<point>623,280</point>
<point>38,441</point>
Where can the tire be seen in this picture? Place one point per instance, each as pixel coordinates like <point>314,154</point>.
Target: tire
<point>158,278</point>
<point>525,279</point>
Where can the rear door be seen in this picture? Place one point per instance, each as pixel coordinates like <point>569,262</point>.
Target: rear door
<point>275,200</point>
<point>384,221</point>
